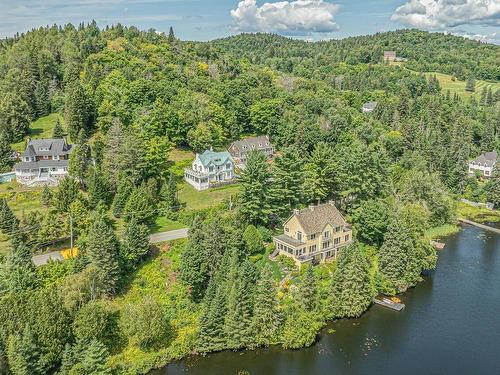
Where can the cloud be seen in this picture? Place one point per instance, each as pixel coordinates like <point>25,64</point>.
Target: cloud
<point>440,14</point>
<point>299,17</point>
<point>493,38</point>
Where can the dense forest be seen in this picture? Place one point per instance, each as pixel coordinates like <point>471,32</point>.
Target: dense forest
<point>129,98</point>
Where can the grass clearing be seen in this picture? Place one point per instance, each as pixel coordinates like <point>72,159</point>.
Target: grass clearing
<point>458,87</point>
<point>164,224</point>
<point>196,200</point>
<point>178,154</point>
<point>441,231</point>
<point>41,128</point>
<point>478,214</point>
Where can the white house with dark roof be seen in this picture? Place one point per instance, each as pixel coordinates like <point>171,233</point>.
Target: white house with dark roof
<point>484,163</point>
<point>369,107</point>
<point>210,168</point>
<point>45,161</point>
<point>239,150</point>
<point>314,234</point>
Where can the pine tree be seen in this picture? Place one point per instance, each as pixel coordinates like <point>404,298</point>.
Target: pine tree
<point>76,114</point>
<point>351,284</point>
<point>123,192</point>
<point>288,180</point>
<point>492,187</point>
<point>168,195</point>
<point>46,196</point>
<point>194,268</point>
<point>5,153</point>
<point>254,243</point>
<point>23,354</point>
<point>239,304</point>
<point>319,173</point>
<point>66,193</point>
<point>102,251</point>
<point>98,188</point>
<point>396,255</point>
<point>308,290</point>
<point>80,160</point>
<point>470,85</point>
<point>212,336</point>
<point>171,35</point>
<point>139,206</point>
<point>266,318</point>
<point>58,131</point>
<point>135,244</point>
<point>94,359</point>
<point>8,220</point>
<point>255,187</point>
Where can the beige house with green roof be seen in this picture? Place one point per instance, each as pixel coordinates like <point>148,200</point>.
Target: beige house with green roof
<point>314,234</point>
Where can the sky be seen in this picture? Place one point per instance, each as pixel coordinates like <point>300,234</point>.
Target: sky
<point>305,19</point>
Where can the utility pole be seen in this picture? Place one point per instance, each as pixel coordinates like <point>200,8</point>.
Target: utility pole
<point>71,233</point>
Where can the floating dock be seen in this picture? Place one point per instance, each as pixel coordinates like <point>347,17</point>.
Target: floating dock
<point>387,302</point>
<point>438,245</point>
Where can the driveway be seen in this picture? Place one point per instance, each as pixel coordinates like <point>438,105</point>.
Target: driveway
<point>40,260</point>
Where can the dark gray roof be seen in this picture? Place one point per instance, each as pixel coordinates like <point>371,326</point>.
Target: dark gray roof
<point>252,143</point>
<point>370,105</point>
<point>49,147</point>
<point>313,219</point>
<point>487,159</point>
<point>289,240</point>
<point>41,164</point>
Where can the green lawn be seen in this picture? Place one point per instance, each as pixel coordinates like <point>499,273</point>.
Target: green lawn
<point>194,199</point>
<point>479,214</point>
<point>458,87</point>
<point>178,154</point>
<point>441,231</point>
<point>163,224</point>
<point>41,128</point>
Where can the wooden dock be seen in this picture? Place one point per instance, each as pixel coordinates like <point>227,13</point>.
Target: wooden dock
<point>390,304</point>
<point>482,226</point>
<point>438,245</point>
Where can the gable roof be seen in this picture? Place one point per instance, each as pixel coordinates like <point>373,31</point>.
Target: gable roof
<point>50,147</point>
<point>370,105</point>
<point>251,143</point>
<point>487,159</point>
<point>389,53</point>
<point>216,158</point>
<point>313,219</point>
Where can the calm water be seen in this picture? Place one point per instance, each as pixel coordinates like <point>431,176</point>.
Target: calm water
<point>451,325</point>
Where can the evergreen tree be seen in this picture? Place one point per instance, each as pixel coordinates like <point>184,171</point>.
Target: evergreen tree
<point>23,354</point>
<point>102,251</point>
<point>58,131</point>
<point>123,192</point>
<point>255,185</point>
<point>493,187</point>
<point>76,114</point>
<point>93,360</point>
<point>135,244</point>
<point>319,173</point>
<point>396,254</point>
<point>308,290</point>
<point>253,240</point>
<point>168,195</point>
<point>351,284</point>
<point>5,153</point>
<point>212,335</point>
<point>66,193</point>
<point>139,206</point>
<point>79,160</point>
<point>470,85</point>
<point>239,304</point>
<point>98,188</point>
<point>15,117</point>
<point>194,268</point>
<point>171,35</point>
<point>288,180</point>
<point>46,196</point>
<point>8,221</point>
<point>266,318</point>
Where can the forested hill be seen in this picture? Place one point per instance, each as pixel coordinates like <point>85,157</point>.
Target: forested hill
<point>426,52</point>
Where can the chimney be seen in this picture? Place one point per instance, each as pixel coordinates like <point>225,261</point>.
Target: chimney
<point>311,207</point>
<point>295,211</point>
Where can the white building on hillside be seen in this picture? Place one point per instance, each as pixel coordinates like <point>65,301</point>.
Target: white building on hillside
<point>210,168</point>
<point>484,163</point>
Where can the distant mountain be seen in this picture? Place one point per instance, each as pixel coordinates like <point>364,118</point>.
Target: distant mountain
<point>427,52</point>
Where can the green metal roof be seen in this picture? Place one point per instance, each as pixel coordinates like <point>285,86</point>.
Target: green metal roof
<point>216,158</point>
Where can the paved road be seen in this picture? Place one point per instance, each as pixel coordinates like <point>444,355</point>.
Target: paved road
<point>168,236</point>
<point>40,260</point>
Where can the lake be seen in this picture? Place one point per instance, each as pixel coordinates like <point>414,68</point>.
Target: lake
<point>451,324</point>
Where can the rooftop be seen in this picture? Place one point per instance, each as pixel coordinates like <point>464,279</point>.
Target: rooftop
<point>213,157</point>
<point>314,218</point>
<point>252,143</point>
<point>50,147</point>
<point>41,164</point>
<point>488,158</point>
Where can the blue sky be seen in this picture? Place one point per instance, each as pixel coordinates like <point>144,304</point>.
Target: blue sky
<point>309,19</point>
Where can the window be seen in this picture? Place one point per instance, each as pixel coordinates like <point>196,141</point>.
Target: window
<point>312,248</point>
<point>325,245</point>
<point>346,237</point>
<point>338,229</point>
<point>45,156</point>
<point>299,236</point>
<point>211,169</point>
<point>228,166</point>
<point>326,234</point>
<point>336,241</point>
<point>312,236</point>
<point>286,229</point>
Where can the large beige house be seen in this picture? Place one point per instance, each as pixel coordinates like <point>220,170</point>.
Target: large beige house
<point>314,234</point>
